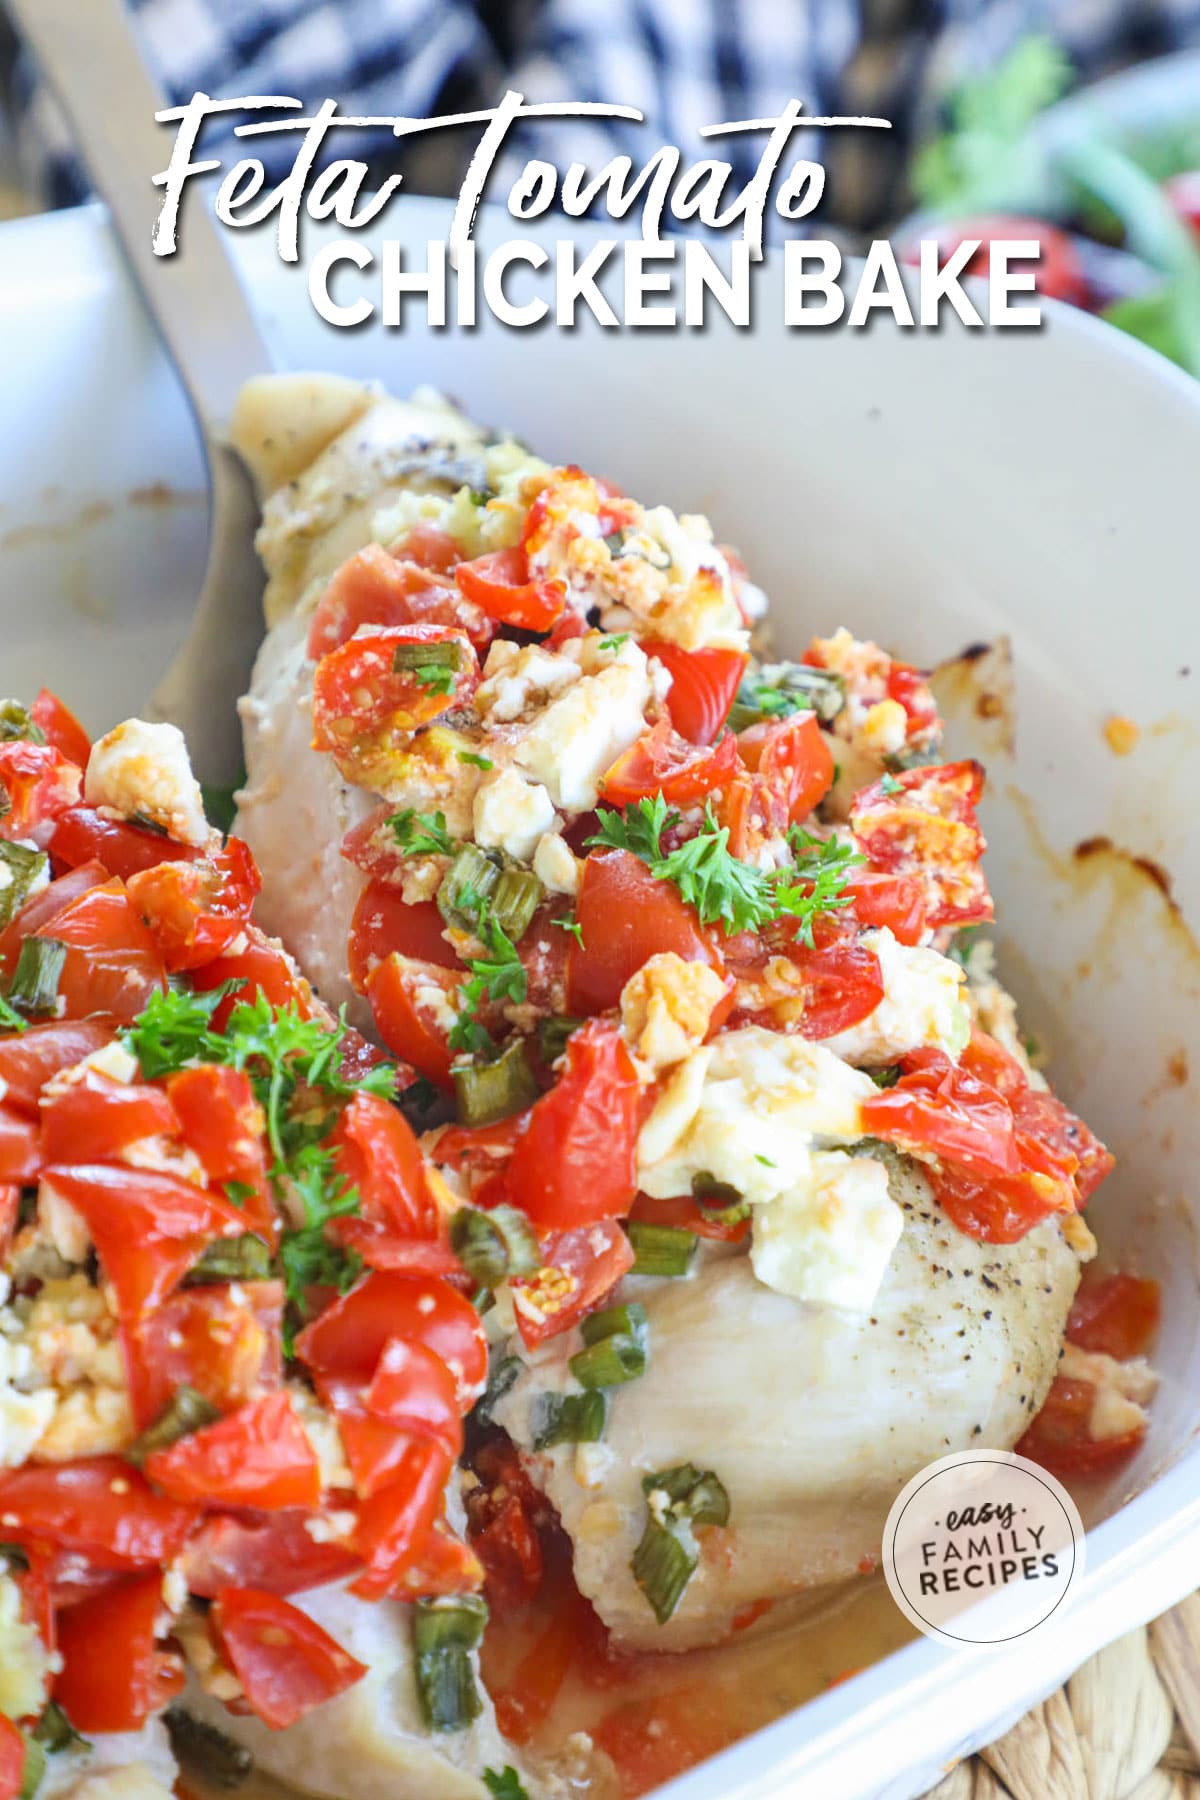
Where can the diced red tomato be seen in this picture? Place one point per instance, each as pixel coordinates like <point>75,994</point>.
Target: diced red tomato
<point>195,910</point>
<point>909,687</point>
<point>704,685</point>
<point>39,784</point>
<point>500,584</point>
<point>1063,1135</point>
<point>223,1123</point>
<point>1060,1436</point>
<point>574,1161</point>
<point>263,967</point>
<point>45,906</point>
<point>21,1154</point>
<point>365,708</point>
<point>444,1565</point>
<point>625,917</point>
<point>112,964</point>
<point>1058,269</point>
<point>663,762</point>
<point>275,1551</point>
<point>376,588</point>
<point>579,1270</point>
<point>60,727</point>
<point>401,992</point>
<point>376,1453</point>
<point>12,1759</point>
<point>287,1664</point>
<point>385,922</point>
<point>508,1547</point>
<point>843,983</point>
<point>925,826</point>
<point>148,1228</point>
<point>259,1456</point>
<point>896,902</point>
<point>394,1525</point>
<point>223,1339</point>
<point>412,1390</point>
<point>83,835</point>
<point>948,1112</point>
<point>1116,1315</point>
<point>682,1210</point>
<point>377,1152</point>
<point>381,1248</point>
<point>96,1118</point>
<point>102,1508</point>
<point>792,761</point>
<point>32,1058</point>
<point>114,1675</point>
<point>349,1337</point>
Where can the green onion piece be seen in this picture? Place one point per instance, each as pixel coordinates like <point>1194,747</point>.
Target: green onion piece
<point>610,1362</point>
<point>663,1564</point>
<point>614,1321</point>
<point>231,1259</point>
<point>553,1035</point>
<point>483,1300</point>
<point>466,885</point>
<point>695,1494</point>
<point>515,899</point>
<point>661,1249</point>
<point>885,1078</point>
<point>488,1091</point>
<point>34,986</point>
<point>185,1412</point>
<point>16,721</point>
<point>501,1381</point>
<point>33,1770</point>
<point>201,1747</point>
<point>54,1731</point>
<point>446,1629</point>
<point>20,870</point>
<point>718,1200</point>
<point>493,1245</point>
<point>570,1419</point>
<point>790,688</point>
<point>445,653</point>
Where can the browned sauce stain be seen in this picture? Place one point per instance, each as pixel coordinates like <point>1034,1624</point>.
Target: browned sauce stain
<point>156,494</point>
<point>978,684</point>
<point>1104,847</point>
<point>1178,1071</point>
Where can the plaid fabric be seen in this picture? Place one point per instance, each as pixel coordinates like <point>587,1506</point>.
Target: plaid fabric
<point>684,63</point>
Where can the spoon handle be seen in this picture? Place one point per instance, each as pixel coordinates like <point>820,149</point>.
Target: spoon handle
<point>90,58</point>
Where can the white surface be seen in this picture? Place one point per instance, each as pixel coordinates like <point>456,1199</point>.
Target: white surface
<point>933,489</point>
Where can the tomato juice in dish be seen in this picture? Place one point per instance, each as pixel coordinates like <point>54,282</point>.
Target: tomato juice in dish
<point>485,1241</point>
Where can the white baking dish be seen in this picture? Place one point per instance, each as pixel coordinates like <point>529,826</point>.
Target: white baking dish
<point>934,490</point>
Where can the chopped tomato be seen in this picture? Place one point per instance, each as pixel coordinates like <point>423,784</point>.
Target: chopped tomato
<point>684,1211</point>
<point>704,685</point>
<point>1001,1209</point>
<point>38,784</point>
<point>366,703</point>
<point>511,1554</point>
<point>909,687</point>
<point>12,1759</point>
<point>102,1508</point>
<point>792,761</point>
<point>663,762</point>
<point>376,1453</point>
<point>259,1456</point>
<point>843,984</point>
<point>96,1118</point>
<point>287,1664</point>
<point>407,999</point>
<point>82,835</point>
<point>373,587</point>
<point>276,1551</point>
<point>32,1058</point>
<point>574,1162</point>
<point>445,1565</point>
<point>114,1675</point>
<point>1060,1437</point>
<point>394,1525</point>
<point>381,1248</point>
<point>112,964</point>
<point>377,1152</point>
<point>412,1390</point>
<point>45,906</point>
<point>385,922</point>
<point>500,584</point>
<point>896,902</point>
<point>579,1270</point>
<point>349,1337</point>
<point>148,1228</point>
<point>1058,270</point>
<point>21,1154</point>
<point>223,1123</point>
<point>223,1339</point>
<point>928,829</point>
<point>1044,1119</point>
<point>945,1111</point>
<point>196,910</point>
<point>60,727</point>
<point>625,917</point>
<point>263,967</point>
<point>1116,1315</point>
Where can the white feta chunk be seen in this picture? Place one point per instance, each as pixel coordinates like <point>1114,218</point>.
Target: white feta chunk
<point>555,864</point>
<point>666,1009</point>
<point>1123,1390</point>
<point>24,1663</point>
<point>143,769</point>
<point>829,1238</point>
<point>574,740</point>
<point>511,814</point>
<point>924,1005</point>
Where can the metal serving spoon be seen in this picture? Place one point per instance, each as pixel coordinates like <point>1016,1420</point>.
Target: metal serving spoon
<point>90,58</point>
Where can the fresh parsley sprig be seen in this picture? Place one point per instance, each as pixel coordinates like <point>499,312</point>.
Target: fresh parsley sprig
<point>496,977</point>
<point>421,834</point>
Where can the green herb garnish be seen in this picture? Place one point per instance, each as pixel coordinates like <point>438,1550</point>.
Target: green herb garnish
<point>421,834</point>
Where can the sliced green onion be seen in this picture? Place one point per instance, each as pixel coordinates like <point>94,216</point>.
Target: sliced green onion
<point>16,721</point>
<point>207,1751</point>
<point>570,1419</point>
<point>515,899</point>
<point>719,1201</point>
<point>493,1245</point>
<point>885,1078</point>
<point>553,1035</point>
<point>609,1363</point>
<point>444,653</point>
<point>54,1731</point>
<point>185,1412</point>
<point>487,1091</point>
<point>467,884</point>
<point>231,1259</point>
<point>663,1564</point>
<point>20,871</point>
<point>483,1300</point>
<point>446,1629</point>
<point>660,1249</point>
<point>614,1321</point>
<point>790,688</point>
<point>501,1381</point>
<point>34,986</point>
<point>33,1770</point>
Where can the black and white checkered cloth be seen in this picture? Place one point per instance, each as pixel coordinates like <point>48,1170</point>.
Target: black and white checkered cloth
<point>683,63</point>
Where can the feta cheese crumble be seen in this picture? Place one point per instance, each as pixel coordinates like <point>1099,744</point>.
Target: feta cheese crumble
<point>829,1238</point>
<point>141,769</point>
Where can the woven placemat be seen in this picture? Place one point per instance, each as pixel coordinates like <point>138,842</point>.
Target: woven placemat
<point>1125,1727</point>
